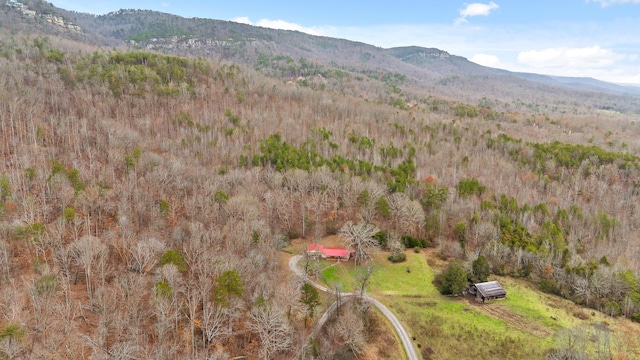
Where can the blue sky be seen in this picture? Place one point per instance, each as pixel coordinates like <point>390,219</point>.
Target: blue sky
<point>582,38</point>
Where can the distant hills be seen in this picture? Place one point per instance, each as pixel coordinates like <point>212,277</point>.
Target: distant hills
<point>431,71</point>
<point>577,83</point>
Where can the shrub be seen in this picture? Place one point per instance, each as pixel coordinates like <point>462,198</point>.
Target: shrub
<point>460,233</point>
<point>173,257</point>
<point>412,242</point>
<point>382,208</point>
<point>293,234</point>
<point>468,187</point>
<point>549,287</point>
<point>397,258</point>
<point>12,331</point>
<point>221,197</point>
<point>228,285</point>
<point>381,237</point>
<point>5,188</point>
<point>162,289</point>
<point>581,315</point>
<point>454,280</point>
<point>331,227</point>
<point>45,285</point>
<point>613,308</point>
<point>164,207</point>
<point>481,268</point>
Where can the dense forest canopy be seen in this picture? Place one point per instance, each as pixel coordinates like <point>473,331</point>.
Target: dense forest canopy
<point>145,197</point>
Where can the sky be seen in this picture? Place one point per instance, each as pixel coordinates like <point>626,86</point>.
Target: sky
<point>578,38</point>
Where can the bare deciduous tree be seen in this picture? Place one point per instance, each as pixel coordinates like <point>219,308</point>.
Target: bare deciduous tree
<point>408,215</point>
<point>288,296</point>
<point>213,323</point>
<point>42,295</point>
<point>90,253</point>
<point>273,329</point>
<point>395,245</point>
<point>5,254</point>
<point>144,254</point>
<point>360,237</point>
<point>571,344</point>
<point>350,329</point>
<point>582,289</point>
<point>164,309</point>
<point>375,191</point>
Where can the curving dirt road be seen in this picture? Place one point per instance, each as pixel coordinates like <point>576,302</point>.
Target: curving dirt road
<point>409,349</point>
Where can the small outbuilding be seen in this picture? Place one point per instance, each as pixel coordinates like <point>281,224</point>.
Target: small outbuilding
<point>489,290</point>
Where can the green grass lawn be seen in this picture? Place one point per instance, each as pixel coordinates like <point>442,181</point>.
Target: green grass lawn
<point>535,306</point>
<point>521,327</point>
<point>448,326</point>
<point>342,275</point>
<point>394,279</point>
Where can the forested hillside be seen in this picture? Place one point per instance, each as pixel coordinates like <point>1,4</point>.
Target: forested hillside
<point>144,197</point>
<point>294,54</point>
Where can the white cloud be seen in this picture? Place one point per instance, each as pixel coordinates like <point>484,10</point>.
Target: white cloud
<point>584,58</point>
<point>165,4</point>
<point>487,60</point>
<point>284,25</point>
<point>277,24</point>
<point>606,3</point>
<point>242,20</point>
<point>476,9</point>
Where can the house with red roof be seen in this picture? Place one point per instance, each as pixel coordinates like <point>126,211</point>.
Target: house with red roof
<point>317,250</point>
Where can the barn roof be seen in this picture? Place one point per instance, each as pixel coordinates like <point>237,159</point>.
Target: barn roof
<point>490,289</point>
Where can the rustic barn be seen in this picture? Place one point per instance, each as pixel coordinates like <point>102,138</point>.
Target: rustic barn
<point>487,291</point>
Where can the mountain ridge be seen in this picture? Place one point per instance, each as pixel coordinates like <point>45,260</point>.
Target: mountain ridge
<point>228,40</point>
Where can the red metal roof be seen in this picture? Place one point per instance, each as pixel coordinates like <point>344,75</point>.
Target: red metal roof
<point>329,252</point>
<point>336,252</point>
<point>315,247</point>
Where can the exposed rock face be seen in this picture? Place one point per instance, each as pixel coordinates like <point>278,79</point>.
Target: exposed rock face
<point>428,54</point>
<point>190,43</point>
<point>438,54</point>
<point>52,19</point>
